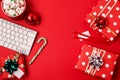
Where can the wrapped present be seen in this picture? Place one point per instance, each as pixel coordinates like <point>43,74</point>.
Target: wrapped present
<point>96,62</point>
<point>105,18</point>
<point>13,66</point>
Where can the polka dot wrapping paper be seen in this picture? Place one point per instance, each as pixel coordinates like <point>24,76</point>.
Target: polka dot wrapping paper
<point>109,9</point>
<point>16,74</point>
<point>108,60</point>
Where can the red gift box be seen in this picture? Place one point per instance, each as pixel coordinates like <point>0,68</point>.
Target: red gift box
<point>20,72</point>
<point>100,66</point>
<point>105,18</point>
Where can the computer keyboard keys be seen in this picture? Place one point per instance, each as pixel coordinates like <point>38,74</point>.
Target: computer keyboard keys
<point>16,34</point>
<point>4,34</point>
<point>8,35</point>
<point>4,30</point>
<point>12,32</point>
<point>8,26</point>
<point>20,40</point>
<point>20,30</point>
<point>24,32</point>
<point>12,37</point>
<point>1,43</point>
<point>3,24</point>
<point>10,46</point>
<point>8,31</point>
<point>6,44</point>
<point>16,37</point>
<point>8,40</point>
<point>16,44</point>
<point>30,34</point>
<point>16,29</point>
<point>14,47</point>
<point>21,36</point>
<point>12,42</point>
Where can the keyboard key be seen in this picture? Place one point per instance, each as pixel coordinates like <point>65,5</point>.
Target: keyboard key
<point>3,24</point>
<point>12,32</point>
<point>8,31</point>
<point>25,32</point>
<point>8,35</point>
<point>25,42</point>
<point>30,35</point>
<point>14,47</point>
<point>0,23</point>
<point>4,30</point>
<point>4,34</point>
<point>25,37</point>
<point>20,30</point>
<point>16,34</point>
<point>12,42</point>
<point>0,28</point>
<point>0,37</point>
<point>8,40</point>
<point>1,43</point>
<point>21,36</point>
<point>16,29</point>
<point>16,38</point>
<point>16,44</point>
<point>10,46</point>
<point>12,27</point>
<point>20,40</point>
<point>4,39</point>
<point>8,26</point>
<point>12,37</point>
<point>6,44</point>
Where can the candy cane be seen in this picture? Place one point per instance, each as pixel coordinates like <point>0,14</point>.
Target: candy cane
<point>41,48</point>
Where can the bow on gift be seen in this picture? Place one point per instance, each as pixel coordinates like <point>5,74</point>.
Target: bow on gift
<point>101,22</point>
<point>95,61</point>
<point>12,65</point>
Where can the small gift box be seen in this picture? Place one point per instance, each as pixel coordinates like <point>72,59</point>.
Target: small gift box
<point>96,62</point>
<point>12,66</point>
<point>105,18</point>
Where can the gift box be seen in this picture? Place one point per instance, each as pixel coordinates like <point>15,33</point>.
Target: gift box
<point>13,66</point>
<point>105,18</point>
<point>96,62</point>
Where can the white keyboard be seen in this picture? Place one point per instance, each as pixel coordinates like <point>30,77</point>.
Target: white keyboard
<point>16,37</point>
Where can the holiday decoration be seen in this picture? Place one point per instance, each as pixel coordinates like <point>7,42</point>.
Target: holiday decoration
<point>101,22</point>
<point>40,49</point>
<point>32,19</point>
<point>14,8</point>
<point>105,18</point>
<point>96,62</point>
<point>12,66</point>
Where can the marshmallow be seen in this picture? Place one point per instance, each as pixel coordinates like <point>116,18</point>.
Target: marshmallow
<point>13,8</point>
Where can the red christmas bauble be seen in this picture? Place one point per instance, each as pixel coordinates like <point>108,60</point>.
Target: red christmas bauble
<point>32,19</point>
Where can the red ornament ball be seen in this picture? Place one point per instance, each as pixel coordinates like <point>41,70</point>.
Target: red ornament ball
<point>32,19</point>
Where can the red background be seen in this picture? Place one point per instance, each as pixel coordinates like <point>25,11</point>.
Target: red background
<point>58,19</point>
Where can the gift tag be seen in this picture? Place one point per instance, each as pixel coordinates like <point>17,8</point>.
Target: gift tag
<point>19,73</point>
